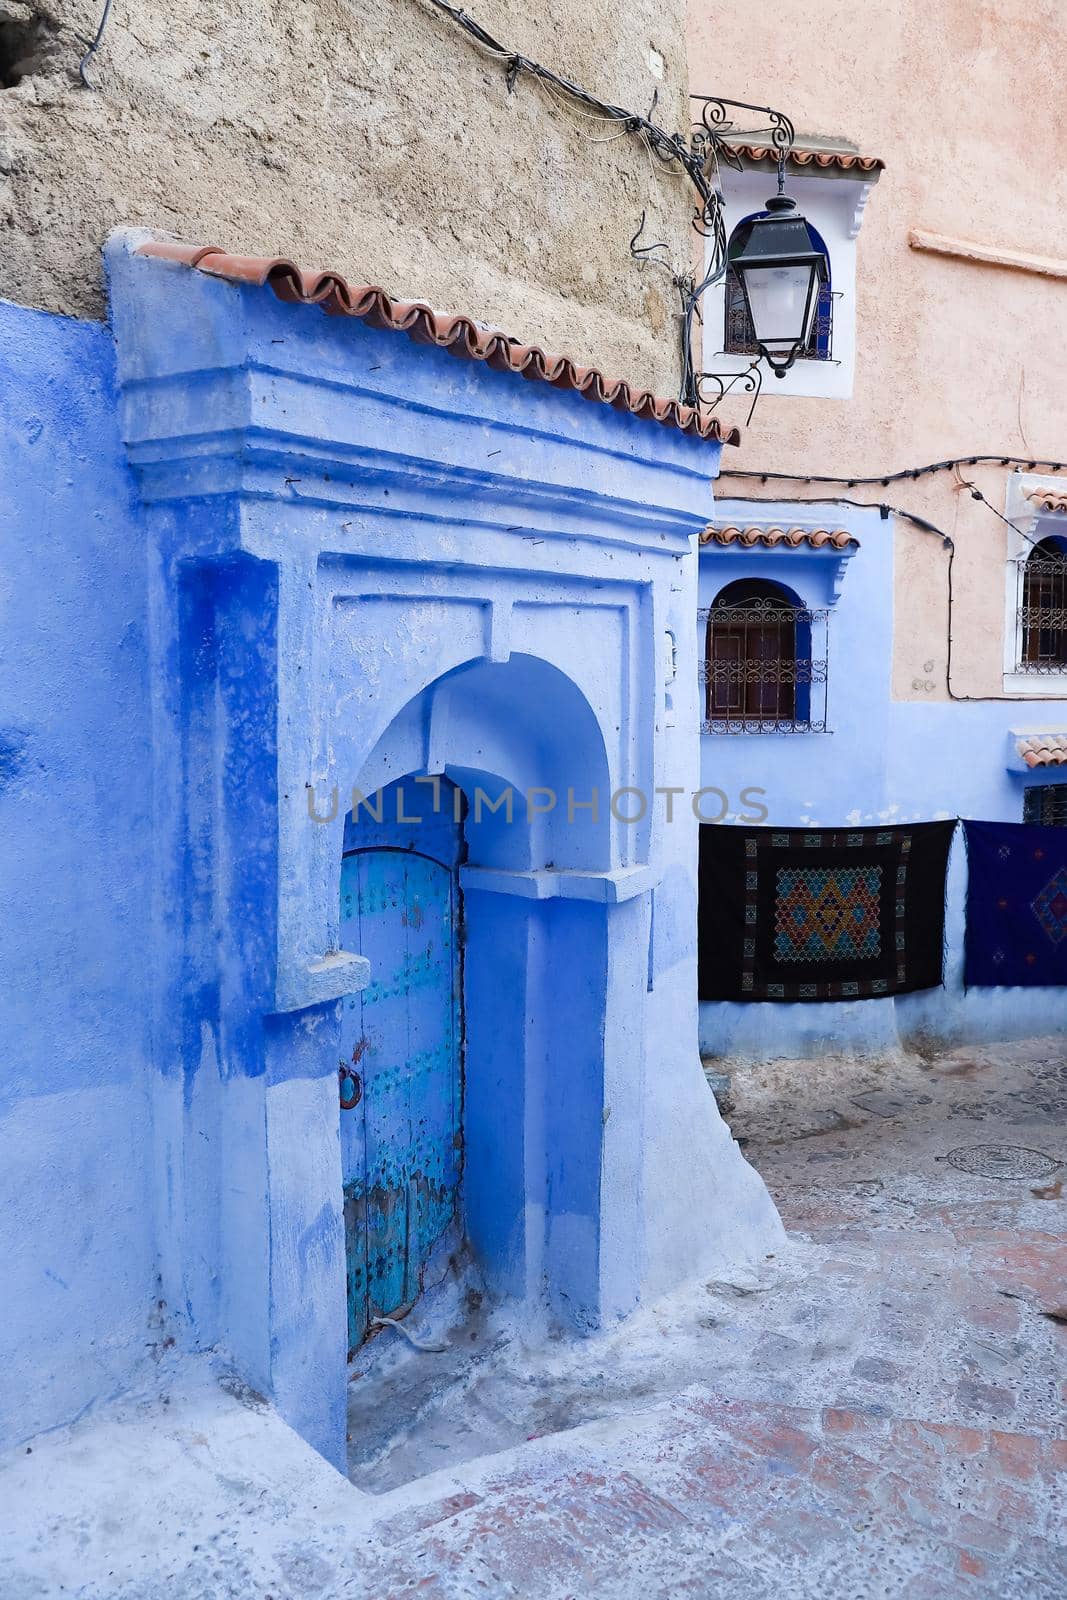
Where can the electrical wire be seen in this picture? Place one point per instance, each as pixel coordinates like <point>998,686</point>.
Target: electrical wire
<point>94,47</point>
<point>669,152</point>
<point>925,526</point>
<point>976,494</point>
<point>668,148</point>
<point>907,474</point>
<point>672,152</point>
<point>886,479</point>
<point>882,506</point>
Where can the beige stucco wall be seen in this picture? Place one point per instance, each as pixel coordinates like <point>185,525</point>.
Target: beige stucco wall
<point>372,139</point>
<point>965,102</point>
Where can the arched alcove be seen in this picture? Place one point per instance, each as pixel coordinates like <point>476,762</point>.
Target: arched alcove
<point>530,851</point>
<point>520,725</point>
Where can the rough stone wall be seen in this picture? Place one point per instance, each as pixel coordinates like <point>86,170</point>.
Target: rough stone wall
<point>374,139</point>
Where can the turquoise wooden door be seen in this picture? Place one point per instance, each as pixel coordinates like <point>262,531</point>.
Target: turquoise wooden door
<point>401,1140</point>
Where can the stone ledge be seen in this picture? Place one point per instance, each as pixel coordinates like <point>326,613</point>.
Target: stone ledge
<point>606,888</point>
<point>987,255</point>
<point>331,977</point>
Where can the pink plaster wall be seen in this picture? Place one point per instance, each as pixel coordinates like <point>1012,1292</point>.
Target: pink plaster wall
<point>966,102</point>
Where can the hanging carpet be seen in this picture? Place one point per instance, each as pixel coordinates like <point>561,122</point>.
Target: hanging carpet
<point>1016,904</point>
<point>821,913</point>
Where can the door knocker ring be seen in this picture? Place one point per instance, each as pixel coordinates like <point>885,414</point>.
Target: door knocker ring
<point>354,1095</point>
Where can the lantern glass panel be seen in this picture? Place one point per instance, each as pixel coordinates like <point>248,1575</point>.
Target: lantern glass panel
<point>781,302</point>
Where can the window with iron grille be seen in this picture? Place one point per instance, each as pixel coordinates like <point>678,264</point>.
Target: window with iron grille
<point>1045,805</point>
<point>739,337</point>
<point>1042,608</point>
<point>765,661</point>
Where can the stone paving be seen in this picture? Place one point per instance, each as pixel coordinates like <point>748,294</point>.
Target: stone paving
<point>876,1411</point>
<point>771,1500</point>
<point>879,1413</point>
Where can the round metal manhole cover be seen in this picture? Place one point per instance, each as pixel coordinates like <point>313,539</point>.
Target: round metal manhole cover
<point>1001,1161</point>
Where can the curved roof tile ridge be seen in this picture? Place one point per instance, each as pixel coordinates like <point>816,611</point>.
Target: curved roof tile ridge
<point>791,538</point>
<point>1044,749</point>
<point>1048,499</point>
<point>458,334</point>
<point>843,160</point>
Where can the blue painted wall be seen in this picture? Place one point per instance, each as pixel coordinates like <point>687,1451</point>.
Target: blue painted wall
<point>76,1206</point>
<point>882,761</point>
<point>347,559</point>
<point>371,560</point>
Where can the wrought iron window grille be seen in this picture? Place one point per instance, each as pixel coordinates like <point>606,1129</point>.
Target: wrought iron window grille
<point>765,668</point>
<point>1045,805</point>
<point>1041,611</point>
<point>739,337</point>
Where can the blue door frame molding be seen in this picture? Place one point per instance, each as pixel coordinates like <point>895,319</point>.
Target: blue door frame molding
<point>371,561</point>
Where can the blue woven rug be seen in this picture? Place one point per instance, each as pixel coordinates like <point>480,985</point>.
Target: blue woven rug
<point>1016,905</point>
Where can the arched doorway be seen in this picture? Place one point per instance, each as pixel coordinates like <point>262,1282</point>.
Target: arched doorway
<point>401,1079</point>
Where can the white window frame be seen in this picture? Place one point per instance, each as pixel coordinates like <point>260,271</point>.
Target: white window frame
<point>1028,527</point>
<point>834,205</point>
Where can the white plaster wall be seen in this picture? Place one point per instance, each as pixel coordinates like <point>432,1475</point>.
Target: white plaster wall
<point>831,205</point>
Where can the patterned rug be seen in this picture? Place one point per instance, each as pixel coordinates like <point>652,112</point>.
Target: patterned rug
<point>821,913</point>
<point>1016,904</point>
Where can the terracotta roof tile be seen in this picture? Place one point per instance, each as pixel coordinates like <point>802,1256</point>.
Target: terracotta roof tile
<point>460,335</point>
<point>842,160</point>
<point>1044,749</point>
<point>791,538</point>
<point>1048,499</point>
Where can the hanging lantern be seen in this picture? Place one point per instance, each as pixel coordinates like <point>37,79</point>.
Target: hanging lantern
<point>780,269</point>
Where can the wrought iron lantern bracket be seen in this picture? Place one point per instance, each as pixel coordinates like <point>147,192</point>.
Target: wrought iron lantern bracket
<point>698,153</point>
<point>712,141</point>
<point>717,130</point>
<point>750,381</point>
